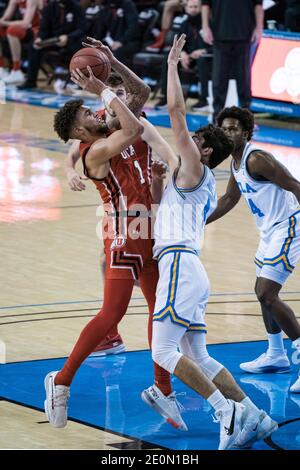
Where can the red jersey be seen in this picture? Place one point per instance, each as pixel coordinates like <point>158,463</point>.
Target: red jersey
<point>123,191</point>
<point>129,178</point>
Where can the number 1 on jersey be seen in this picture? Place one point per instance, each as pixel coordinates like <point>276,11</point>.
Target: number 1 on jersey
<point>137,166</point>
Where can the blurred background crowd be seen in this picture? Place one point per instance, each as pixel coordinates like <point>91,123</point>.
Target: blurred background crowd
<point>38,38</point>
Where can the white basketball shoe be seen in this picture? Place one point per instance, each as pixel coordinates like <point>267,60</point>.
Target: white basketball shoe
<point>255,426</point>
<point>168,407</point>
<point>295,388</point>
<point>230,424</point>
<point>266,364</point>
<point>56,403</point>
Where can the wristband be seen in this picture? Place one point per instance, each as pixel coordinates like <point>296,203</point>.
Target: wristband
<point>107,96</point>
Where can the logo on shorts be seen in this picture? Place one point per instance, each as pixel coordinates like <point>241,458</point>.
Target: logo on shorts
<point>118,242</point>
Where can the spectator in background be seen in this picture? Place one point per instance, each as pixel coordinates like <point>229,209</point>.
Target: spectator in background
<point>17,31</point>
<point>292,15</point>
<point>118,28</point>
<point>230,27</point>
<point>61,19</point>
<point>171,7</point>
<point>194,56</point>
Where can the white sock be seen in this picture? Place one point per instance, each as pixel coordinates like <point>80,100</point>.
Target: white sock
<point>276,347</point>
<point>296,343</point>
<point>218,401</point>
<point>250,405</point>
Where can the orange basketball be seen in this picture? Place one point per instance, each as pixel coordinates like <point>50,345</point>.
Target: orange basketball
<point>98,62</point>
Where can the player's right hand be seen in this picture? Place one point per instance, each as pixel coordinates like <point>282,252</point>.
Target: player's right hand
<point>100,46</point>
<point>75,181</point>
<point>90,83</point>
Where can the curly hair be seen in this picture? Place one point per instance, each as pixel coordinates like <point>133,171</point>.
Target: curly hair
<point>243,115</point>
<point>65,118</point>
<point>215,138</point>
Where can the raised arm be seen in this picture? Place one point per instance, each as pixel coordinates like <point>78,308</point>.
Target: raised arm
<point>137,90</point>
<point>104,149</point>
<point>262,164</point>
<point>159,145</point>
<point>191,169</point>
<point>227,201</point>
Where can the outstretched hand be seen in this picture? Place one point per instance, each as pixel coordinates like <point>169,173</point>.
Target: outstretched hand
<point>159,169</point>
<point>96,44</point>
<point>175,52</point>
<point>90,83</point>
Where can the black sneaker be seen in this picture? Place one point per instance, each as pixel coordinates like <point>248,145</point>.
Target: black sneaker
<point>161,104</point>
<point>26,85</point>
<point>201,105</point>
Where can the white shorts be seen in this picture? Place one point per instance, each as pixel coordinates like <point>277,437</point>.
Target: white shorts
<point>183,289</point>
<point>279,250</point>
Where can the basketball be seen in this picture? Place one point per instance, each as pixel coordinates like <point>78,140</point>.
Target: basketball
<point>98,62</point>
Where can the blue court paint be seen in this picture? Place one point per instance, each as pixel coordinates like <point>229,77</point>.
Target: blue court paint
<point>106,393</point>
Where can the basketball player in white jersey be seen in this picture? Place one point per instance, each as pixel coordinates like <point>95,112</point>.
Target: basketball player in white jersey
<point>183,286</point>
<point>273,196</point>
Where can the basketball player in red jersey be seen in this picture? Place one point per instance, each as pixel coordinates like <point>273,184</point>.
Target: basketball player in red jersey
<point>16,31</point>
<point>113,343</point>
<point>122,179</point>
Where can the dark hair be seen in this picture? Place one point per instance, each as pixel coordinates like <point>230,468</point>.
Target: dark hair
<point>114,80</point>
<point>243,115</point>
<point>65,118</point>
<point>215,138</point>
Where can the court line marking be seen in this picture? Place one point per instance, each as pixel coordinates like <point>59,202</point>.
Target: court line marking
<point>85,423</point>
<point>18,315</point>
<point>129,314</point>
<point>218,294</point>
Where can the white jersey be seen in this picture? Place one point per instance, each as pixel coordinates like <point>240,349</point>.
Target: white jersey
<point>182,214</point>
<point>269,203</point>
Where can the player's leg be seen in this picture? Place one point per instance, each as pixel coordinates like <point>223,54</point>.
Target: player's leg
<point>275,358</point>
<point>113,342</point>
<point>256,423</point>
<point>15,34</point>
<point>167,336</point>
<point>178,294</point>
<point>282,255</point>
<point>117,294</point>
<point>148,282</point>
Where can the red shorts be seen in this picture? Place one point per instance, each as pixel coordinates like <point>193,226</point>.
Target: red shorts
<point>127,258</point>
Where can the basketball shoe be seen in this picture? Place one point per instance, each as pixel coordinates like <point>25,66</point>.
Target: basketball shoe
<point>109,345</point>
<point>230,424</point>
<point>168,407</point>
<point>56,403</point>
<point>266,364</point>
<point>295,388</point>
<point>255,426</point>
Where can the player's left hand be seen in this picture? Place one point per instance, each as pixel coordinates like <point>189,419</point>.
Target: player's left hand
<point>175,52</point>
<point>159,169</point>
<point>90,83</point>
<point>96,44</point>
<point>75,180</point>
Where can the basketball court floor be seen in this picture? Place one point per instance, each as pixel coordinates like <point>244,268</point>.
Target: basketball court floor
<point>51,285</point>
